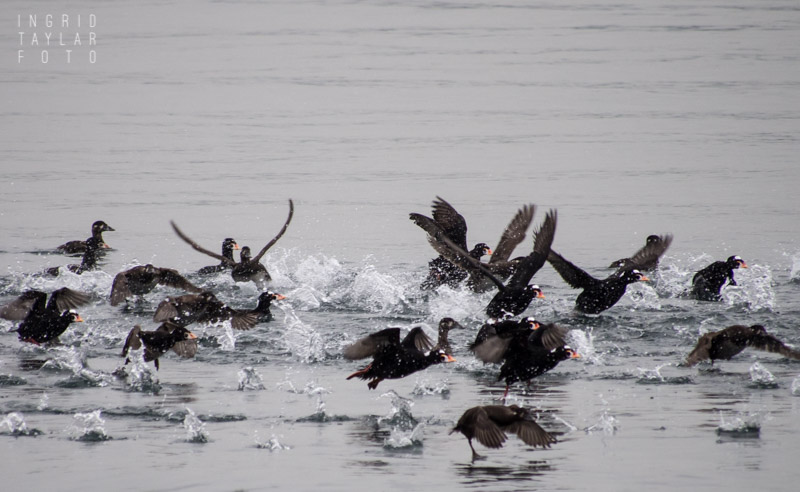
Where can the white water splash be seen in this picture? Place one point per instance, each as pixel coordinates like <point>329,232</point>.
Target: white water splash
<point>424,387</point>
<point>796,386</point>
<point>71,359</point>
<point>643,297</point>
<point>304,342</point>
<point>250,379</point>
<point>399,439</point>
<point>583,343</point>
<point>606,423</point>
<point>272,444</point>
<point>652,374</point>
<point>377,292</point>
<point>753,290</point>
<point>138,374</point>
<point>195,428</point>
<point>43,402</point>
<point>761,376</point>
<point>749,423</point>
<point>88,427</point>
<point>14,423</point>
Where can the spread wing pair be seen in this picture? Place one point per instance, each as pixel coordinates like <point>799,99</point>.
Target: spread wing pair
<point>249,268</point>
<point>448,223</point>
<point>725,344</point>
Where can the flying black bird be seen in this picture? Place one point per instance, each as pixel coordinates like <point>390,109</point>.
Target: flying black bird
<point>646,259</point>
<point>98,228</point>
<point>706,283</point>
<point>448,267</point>
<point>598,295</point>
<point>393,359</point>
<point>725,344</point>
<point>44,320</point>
<point>489,424</point>
<point>140,280</point>
<point>158,342</point>
<point>249,268</point>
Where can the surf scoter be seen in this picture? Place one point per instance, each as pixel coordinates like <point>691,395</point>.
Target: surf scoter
<point>158,342</point>
<point>598,295</point>
<point>228,246</point>
<point>724,344</point>
<point>76,247</point>
<point>448,267</point>
<point>393,359</point>
<point>142,279</point>
<point>44,320</point>
<point>495,336</point>
<point>646,259</point>
<point>249,268</point>
<point>88,262</point>
<point>706,283</point>
<point>489,424</point>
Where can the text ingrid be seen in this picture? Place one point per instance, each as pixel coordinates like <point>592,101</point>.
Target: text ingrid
<point>59,36</point>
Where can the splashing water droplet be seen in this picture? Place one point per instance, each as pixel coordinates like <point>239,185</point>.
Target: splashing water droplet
<point>89,427</point>
<point>195,428</point>
<point>250,379</point>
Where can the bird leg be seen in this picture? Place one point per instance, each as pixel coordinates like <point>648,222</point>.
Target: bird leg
<point>359,372</point>
<point>374,383</point>
<point>475,456</point>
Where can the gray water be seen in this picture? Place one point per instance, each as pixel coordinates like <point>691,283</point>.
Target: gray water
<point>630,118</point>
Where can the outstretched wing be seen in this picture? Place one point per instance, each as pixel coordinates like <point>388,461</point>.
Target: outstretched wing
<point>451,222</point>
<point>531,433</point>
<point>450,250</point>
<point>171,278</point>
<point>119,288</point>
<point>370,344</point>
<point>647,257</point>
<point>486,431</point>
<point>513,234</point>
<point>257,257</point>
<point>19,308</point>
<point>417,339</point>
<point>532,263</point>
<point>574,276</point>
<point>769,343</point>
<point>199,248</point>
<point>549,336</point>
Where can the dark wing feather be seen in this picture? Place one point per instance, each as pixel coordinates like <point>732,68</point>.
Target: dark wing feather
<point>451,222</point>
<point>450,250</point>
<point>487,432</point>
<point>68,299</point>
<point>19,308</point>
<point>573,275</point>
<point>199,248</point>
<point>165,310</point>
<point>171,278</point>
<point>492,350</point>
<point>531,433</point>
<point>243,321</point>
<point>769,343</point>
<point>370,344</point>
<point>119,289</point>
<point>532,263</point>
<point>185,348</point>
<point>417,339</point>
<point>701,351</point>
<point>513,234</point>
<point>647,257</point>
<point>132,342</point>
<point>549,336</point>
<point>257,257</point>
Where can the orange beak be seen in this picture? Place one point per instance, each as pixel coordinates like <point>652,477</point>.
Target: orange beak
<point>489,251</point>
<point>279,297</point>
<point>540,295</point>
<point>449,358</point>
<point>535,326</point>
<point>192,336</point>
<point>78,318</point>
<point>644,279</point>
<point>742,264</point>
<point>575,355</point>
<point>236,247</point>
<point>106,246</point>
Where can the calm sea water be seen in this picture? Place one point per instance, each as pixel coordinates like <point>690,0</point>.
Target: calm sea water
<point>630,118</point>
